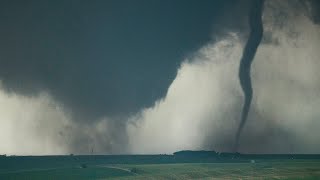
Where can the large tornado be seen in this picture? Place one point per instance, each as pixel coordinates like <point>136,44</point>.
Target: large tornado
<point>256,32</point>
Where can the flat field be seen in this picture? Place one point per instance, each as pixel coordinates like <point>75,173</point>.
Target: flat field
<point>84,169</point>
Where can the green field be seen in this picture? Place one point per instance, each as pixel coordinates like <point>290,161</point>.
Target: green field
<point>268,169</point>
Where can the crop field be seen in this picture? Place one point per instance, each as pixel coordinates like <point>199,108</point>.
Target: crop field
<point>274,170</point>
<point>96,169</point>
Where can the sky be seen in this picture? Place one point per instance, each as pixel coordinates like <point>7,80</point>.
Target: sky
<point>151,76</point>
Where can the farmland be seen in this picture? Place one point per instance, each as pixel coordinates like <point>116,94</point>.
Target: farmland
<point>157,167</point>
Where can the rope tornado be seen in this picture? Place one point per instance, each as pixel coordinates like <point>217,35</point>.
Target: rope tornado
<point>256,32</point>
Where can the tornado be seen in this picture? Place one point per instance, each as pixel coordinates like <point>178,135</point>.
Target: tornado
<point>255,36</point>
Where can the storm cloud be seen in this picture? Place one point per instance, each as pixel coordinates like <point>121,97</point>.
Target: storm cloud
<point>203,104</point>
<point>100,58</point>
<point>155,77</point>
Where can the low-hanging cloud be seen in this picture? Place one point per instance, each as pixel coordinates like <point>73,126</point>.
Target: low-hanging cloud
<point>100,62</point>
<point>100,58</point>
<point>201,110</point>
<point>194,103</point>
<point>202,106</point>
<point>40,125</point>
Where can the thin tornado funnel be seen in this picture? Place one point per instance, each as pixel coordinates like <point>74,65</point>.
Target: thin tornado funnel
<point>256,32</point>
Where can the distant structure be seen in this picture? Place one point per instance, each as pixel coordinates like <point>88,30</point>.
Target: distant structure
<point>190,153</point>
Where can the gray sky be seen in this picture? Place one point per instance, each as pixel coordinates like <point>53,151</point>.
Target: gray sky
<point>153,76</point>
<point>101,57</point>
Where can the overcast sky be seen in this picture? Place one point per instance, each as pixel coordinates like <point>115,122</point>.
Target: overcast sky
<point>155,76</point>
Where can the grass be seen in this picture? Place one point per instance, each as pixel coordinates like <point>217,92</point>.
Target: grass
<point>66,173</point>
<point>268,169</point>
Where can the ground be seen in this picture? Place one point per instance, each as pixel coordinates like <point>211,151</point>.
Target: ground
<point>257,169</point>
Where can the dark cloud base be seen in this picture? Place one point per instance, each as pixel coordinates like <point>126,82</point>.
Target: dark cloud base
<point>99,59</point>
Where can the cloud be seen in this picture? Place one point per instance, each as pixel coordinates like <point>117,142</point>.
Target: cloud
<point>202,106</point>
<point>98,62</point>
<point>286,77</point>
<point>203,90</point>
<point>38,125</point>
<point>99,58</point>
<point>30,125</point>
